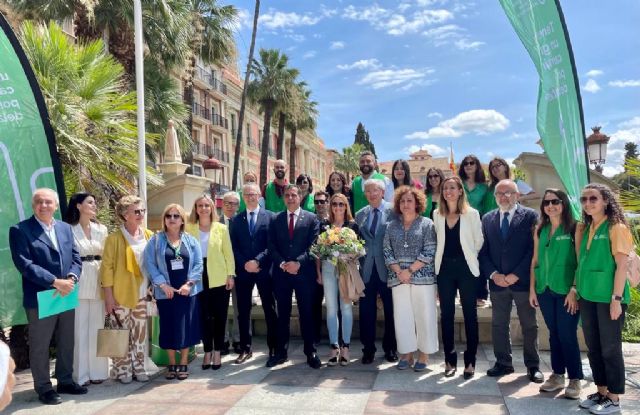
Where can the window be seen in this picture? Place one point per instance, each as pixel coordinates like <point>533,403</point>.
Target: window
<point>197,170</point>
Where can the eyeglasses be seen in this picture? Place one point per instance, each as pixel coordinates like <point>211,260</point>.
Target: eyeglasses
<point>554,202</point>
<point>140,212</point>
<point>338,204</point>
<point>230,203</point>
<point>320,202</point>
<point>505,194</point>
<point>291,195</point>
<point>434,176</point>
<point>469,163</point>
<point>592,199</point>
<point>251,194</point>
<point>172,216</point>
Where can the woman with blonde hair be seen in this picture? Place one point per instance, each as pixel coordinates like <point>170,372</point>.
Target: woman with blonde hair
<point>125,287</point>
<point>218,275</point>
<point>459,235</point>
<point>173,261</point>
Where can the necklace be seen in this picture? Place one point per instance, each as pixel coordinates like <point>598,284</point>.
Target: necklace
<point>406,244</point>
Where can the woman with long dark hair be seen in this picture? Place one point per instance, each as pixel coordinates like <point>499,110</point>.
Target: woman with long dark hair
<point>401,175</point>
<point>551,288</point>
<point>474,181</point>
<point>498,170</point>
<point>89,236</point>
<point>435,178</point>
<point>306,192</point>
<point>605,243</point>
<point>338,184</point>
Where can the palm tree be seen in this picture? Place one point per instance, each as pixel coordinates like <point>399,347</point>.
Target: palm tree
<point>303,117</point>
<point>92,115</point>
<point>284,109</point>
<point>270,86</point>
<point>347,162</point>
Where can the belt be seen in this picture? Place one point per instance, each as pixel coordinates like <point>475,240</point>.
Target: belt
<point>90,258</point>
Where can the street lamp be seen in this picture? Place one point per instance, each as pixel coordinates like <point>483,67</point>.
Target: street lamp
<point>210,166</point>
<point>597,148</point>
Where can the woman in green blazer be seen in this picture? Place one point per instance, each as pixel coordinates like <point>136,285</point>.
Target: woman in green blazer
<point>217,277</point>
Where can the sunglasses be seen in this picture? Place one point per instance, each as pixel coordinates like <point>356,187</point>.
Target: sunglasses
<point>434,176</point>
<point>172,216</point>
<point>592,199</point>
<point>554,202</point>
<point>338,204</point>
<point>140,212</point>
<point>319,202</point>
<point>469,163</point>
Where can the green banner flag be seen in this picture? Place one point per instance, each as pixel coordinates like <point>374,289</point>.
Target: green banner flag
<point>28,160</point>
<point>541,28</point>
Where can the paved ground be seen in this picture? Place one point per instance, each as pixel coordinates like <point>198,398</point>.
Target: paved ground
<point>294,388</point>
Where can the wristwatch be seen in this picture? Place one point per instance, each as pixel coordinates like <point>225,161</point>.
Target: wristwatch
<point>190,283</point>
<point>616,298</point>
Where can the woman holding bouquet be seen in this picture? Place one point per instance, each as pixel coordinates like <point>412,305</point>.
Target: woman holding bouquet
<point>339,217</point>
<point>409,250</point>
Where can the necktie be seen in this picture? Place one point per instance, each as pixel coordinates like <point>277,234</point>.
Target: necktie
<point>374,222</point>
<point>504,226</point>
<point>291,215</point>
<point>252,223</point>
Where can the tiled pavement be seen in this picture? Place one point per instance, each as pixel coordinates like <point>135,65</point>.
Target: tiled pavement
<point>294,388</point>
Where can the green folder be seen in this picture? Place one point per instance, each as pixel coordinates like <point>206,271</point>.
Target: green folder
<point>50,304</point>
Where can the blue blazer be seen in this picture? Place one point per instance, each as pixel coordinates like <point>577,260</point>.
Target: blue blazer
<point>373,244</point>
<point>512,255</point>
<point>247,247</point>
<point>283,249</point>
<point>38,261</point>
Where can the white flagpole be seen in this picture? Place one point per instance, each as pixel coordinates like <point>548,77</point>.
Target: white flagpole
<point>142,174</point>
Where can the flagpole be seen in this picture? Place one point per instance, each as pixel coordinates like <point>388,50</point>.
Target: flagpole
<point>142,173</point>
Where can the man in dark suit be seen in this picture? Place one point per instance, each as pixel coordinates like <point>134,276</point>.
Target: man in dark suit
<point>249,237</point>
<point>290,236</point>
<point>44,252</point>
<point>230,205</point>
<point>372,221</point>
<point>506,258</point>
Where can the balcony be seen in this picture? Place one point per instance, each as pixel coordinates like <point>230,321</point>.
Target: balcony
<point>201,111</point>
<point>220,123</point>
<point>204,151</point>
<point>213,85</point>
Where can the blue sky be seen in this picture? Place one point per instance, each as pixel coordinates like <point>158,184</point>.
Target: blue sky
<point>424,73</point>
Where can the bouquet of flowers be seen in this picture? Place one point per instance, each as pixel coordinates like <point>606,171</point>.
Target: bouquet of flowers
<point>338,244</point>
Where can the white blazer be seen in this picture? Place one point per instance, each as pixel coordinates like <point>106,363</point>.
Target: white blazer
<point>471,238</point>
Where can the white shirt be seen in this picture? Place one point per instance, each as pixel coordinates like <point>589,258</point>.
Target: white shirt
<point>204,243</point>
<point>296,215</point>
<point>50,230</point>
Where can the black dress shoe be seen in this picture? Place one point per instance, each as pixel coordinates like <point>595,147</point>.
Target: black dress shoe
<point>499,370</point>
<point>367,358</point>
<point>449,372</point>
<point>206,367</point>
<point>50,397</point>
<point>314,361</point>
<point>275,361</point>
<point>244,356</point>
<point>72,389</point>
<point>535,375</point>
<point>391,356</point>
<point>225,349</point>
<point>236,348</point>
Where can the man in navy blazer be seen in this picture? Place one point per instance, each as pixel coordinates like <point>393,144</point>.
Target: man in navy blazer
<point>44,252</point>
<point>249,237</point>
<point>372,221</point>
<point>506,258</point>
<point>290,236</point>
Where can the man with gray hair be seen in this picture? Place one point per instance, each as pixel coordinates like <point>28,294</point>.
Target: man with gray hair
<point>372,221</point>
<point>44,252</point>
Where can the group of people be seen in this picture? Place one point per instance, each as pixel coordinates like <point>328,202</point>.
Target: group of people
<point>423,246</point>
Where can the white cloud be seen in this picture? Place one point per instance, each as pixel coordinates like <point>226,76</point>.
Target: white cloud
<point>591,86</point>
<point>337,45</point>
<point>629,131</point>
<point>361,64</point>
<point>479,122</point>
<point>404,78</point>
<point>441,33</point>
<point>281,20</point>
<point>434,114</point>
<point>625,84</point>
<point>632,123</point>
<point>395,22</point>
<point>296,37</point>
<point>593,73</point>
<point>464,44</point>
<point>433,149</point>
<point>310,54</point>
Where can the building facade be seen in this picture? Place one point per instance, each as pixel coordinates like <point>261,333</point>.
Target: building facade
<point>419,164</point>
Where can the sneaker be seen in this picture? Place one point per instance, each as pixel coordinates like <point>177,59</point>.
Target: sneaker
<point>142,377</point>
<point>573,390</point>
<point>554,383</point>
<point>591,401</point>
<point>125,380</point>
<point>606,406</point>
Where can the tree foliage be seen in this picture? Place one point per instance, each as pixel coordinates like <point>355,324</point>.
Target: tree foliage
<point>349,161</point>
<point>362,138</point>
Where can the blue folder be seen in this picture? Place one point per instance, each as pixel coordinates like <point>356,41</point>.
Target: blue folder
<point>50,304</point>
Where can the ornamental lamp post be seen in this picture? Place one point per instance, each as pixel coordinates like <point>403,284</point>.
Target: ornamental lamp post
<point>597,148</point>
<point>210,166</point>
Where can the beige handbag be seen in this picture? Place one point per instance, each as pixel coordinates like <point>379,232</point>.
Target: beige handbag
<point>112,341</point>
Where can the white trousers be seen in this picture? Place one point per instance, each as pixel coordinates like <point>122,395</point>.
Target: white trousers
<point>415,317</point>
<point>86,366</point>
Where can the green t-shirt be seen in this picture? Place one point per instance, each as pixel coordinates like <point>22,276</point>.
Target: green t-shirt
<point>307,204</point>
<point>476,196</point>
<point>272,201</point>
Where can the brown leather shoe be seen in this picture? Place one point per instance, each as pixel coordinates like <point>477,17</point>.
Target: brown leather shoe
<point>244,356</point>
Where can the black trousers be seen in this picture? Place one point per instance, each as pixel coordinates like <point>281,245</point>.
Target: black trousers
<point>214,306</point>
<point>455,276</point>
<point>482,286</point>
<point>369,314</point>
<point>604,341</point>
<point>317,313</point>
<point>304,287</point>
<point>244,290</point>
<point>40,333</point>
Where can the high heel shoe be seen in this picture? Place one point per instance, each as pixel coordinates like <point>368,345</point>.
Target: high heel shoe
<point>206,366</point>
<point>468,374</point>
<point>449,370</point>
<point>344,356</point>
<point>216,358</point>
<point>333,356</point>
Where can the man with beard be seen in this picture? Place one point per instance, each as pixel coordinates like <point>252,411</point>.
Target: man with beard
<point>274,190</point>
<point>368,168</point>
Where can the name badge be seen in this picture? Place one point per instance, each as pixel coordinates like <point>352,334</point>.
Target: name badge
<point>176,264</point>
